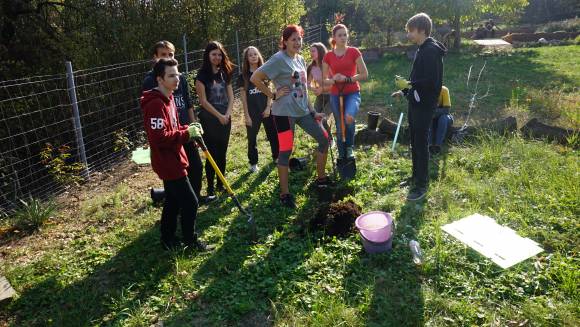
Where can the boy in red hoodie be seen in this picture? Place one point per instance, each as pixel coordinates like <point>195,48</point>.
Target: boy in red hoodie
<point>168,159</point>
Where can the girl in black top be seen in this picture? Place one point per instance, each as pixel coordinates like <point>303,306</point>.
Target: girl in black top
<point>256,108</point>
<point>216,97</point>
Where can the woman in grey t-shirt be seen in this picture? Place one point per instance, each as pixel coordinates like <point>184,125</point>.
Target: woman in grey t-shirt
<point>287,70</point>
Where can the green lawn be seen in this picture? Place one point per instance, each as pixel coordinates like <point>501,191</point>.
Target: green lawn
<point>536,82</point>
<point>98,261</point>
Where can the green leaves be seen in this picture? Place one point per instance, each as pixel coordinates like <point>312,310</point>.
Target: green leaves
<point>33,214</point>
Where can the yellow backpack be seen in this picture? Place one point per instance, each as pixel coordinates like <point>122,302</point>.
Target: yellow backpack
<point>444,98</point>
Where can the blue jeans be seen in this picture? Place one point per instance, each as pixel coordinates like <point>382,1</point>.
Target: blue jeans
<point>351,105</point>
<point>439,126</point>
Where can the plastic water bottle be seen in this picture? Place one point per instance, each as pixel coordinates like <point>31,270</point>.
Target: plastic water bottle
<point>416,251</point>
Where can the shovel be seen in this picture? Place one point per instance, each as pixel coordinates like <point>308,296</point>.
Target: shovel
<point>346,166</point>
<point>330,140</point>
<point>218,172</point>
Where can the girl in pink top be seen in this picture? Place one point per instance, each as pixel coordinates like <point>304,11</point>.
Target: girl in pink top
<point>315,82</point>
<point>343,68</point>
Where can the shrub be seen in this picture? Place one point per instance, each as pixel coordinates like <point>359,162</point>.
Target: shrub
<point>33,214</point>
<point>60,165</point>
<point>568,25</point>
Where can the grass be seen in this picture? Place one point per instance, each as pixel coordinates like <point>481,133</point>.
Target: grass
<point>99,263</point>
<point>526,83</point>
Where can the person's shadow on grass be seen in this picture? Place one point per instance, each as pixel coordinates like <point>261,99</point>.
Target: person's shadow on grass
<point>138,267</point>
<point>395,281</point>
<point>236,292</point>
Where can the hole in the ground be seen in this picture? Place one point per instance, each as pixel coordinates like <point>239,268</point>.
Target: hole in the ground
<point>336,218</point>
<point>334,194</point>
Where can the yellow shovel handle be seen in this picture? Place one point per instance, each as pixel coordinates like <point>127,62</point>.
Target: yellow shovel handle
<point>218,172</point>
<point>214,165</point>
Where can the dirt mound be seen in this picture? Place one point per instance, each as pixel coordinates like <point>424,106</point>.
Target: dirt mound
<point>337,218</point>
<point>334,194</point>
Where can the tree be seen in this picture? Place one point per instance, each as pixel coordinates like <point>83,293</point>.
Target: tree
<point>460,11</point>
<point>540,11</point>
<point>37,36</point>
<point>387,16</point>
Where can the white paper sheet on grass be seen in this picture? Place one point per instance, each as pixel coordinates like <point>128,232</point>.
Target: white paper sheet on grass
<point>499,243</point>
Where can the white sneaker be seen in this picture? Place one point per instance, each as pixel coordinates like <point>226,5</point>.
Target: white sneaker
<point>254,168</point>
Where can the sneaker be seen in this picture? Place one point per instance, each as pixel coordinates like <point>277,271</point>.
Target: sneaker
<point>349,152</point>
<point>287,200</point>
<point>209,198</point>
<point>254,168</point>
<point>435,150</point>
<point>221,189</point>
<point>199,245</point>
<point>416,194</point>
<point>324,182</point>
<point>170,245</point>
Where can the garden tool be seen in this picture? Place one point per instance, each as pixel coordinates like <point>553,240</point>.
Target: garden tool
<point>346,166</point>
<point>218,172</point>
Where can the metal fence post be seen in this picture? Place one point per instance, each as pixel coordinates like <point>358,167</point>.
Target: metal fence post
<point>238,53</point>
<point>72,93</point>
<point>185,54</point>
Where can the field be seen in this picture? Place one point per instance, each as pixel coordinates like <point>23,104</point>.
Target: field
<point>98,262</point>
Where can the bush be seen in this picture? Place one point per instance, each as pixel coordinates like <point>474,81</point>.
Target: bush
<point>569,25</point>
<point>61,164</point>
<point>33,214</point>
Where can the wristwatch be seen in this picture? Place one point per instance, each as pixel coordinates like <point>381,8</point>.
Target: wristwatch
<point>274,97</point>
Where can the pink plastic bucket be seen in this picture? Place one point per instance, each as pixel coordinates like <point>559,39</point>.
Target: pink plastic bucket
<point>375,226</point>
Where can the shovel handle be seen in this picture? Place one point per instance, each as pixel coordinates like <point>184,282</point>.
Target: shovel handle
<point>342,125</point>
<point>251,220</point>
<point>218,172</point>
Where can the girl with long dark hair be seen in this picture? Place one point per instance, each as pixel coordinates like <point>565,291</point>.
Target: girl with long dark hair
<point>216,97</point>
<point>256,107</point>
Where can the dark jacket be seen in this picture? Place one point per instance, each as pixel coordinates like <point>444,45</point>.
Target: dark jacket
<point>181,96</point>
<point>166,137</point>
<point>427,74</point>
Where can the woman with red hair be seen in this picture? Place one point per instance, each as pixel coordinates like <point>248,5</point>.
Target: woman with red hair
<point>344,68</point>
<point>291,107</point>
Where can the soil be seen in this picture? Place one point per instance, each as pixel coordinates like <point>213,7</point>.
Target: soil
<point>61,228</point>
<point>337,218</point>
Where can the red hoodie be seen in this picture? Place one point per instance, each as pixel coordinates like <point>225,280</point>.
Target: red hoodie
<point>166,137</point>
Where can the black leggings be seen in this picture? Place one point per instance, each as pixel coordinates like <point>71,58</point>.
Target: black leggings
<point>285,127</point>
<point>179,198</point>
<point>216,137</point>
<point>195,170</point>
<point>252,132</point>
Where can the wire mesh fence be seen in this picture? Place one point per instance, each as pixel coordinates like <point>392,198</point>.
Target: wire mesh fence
<point>55,130</point>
